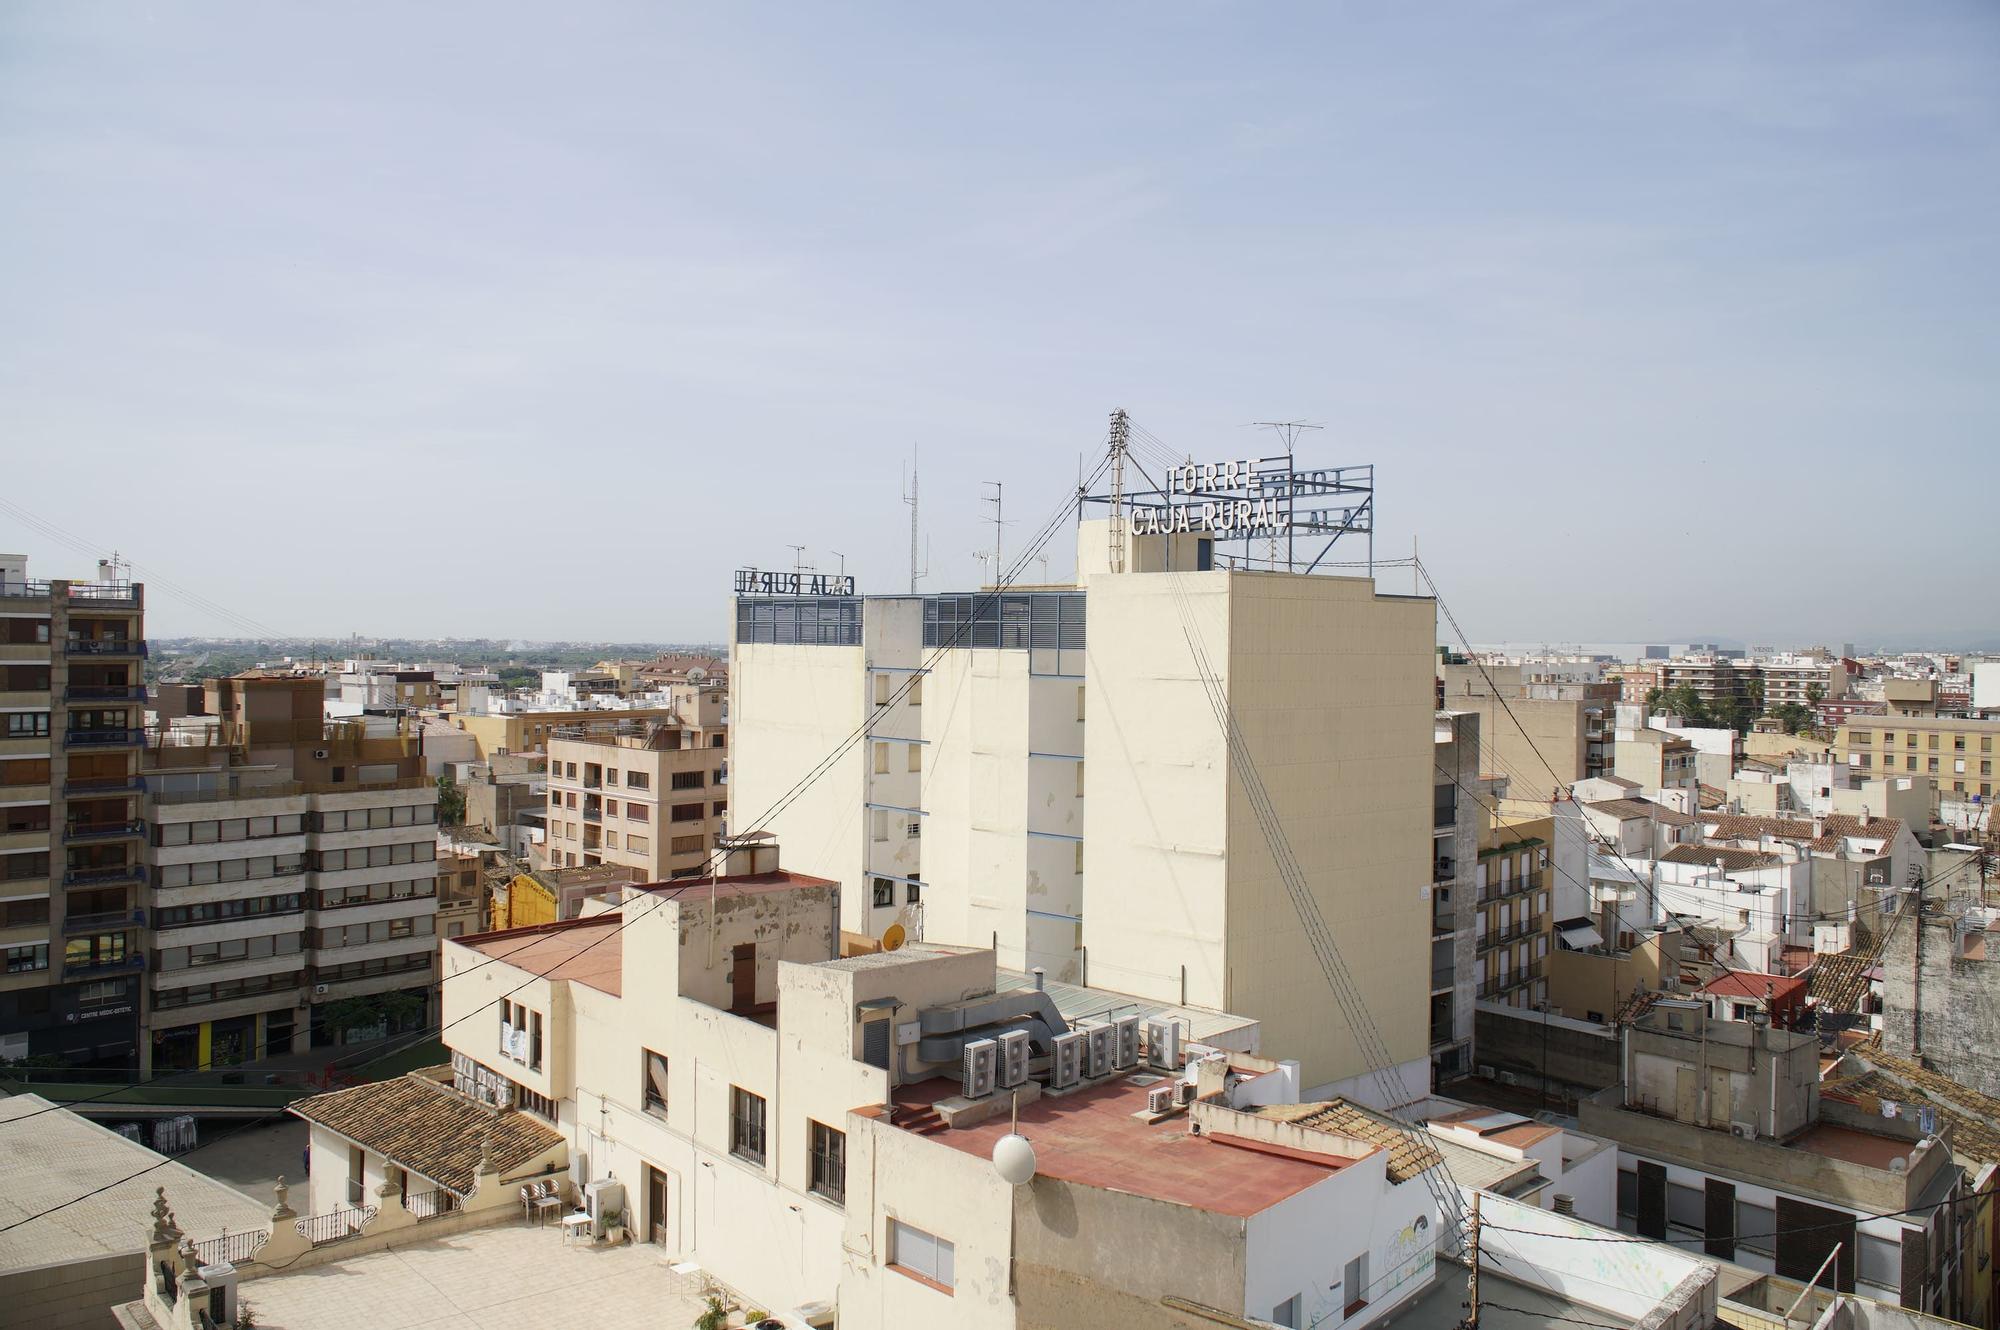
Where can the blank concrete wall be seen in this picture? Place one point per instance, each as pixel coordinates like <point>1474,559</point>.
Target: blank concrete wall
<point>71,1295</point>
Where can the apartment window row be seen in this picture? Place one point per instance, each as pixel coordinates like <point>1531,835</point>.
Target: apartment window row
<point>24,632</point>
<point>25,817</point>
<point>686,845</point>
<point>27,724</point>
<point>226,990</point>
<point>375,856</point>
<point>913,762</point>
<point>210,912</point>
<point>228,951</point>
<point>22,960</point>
<point>21,867</point>
<point>882,893</point>
<point>885,689</point>
<point>374,893</point>
<point>379,930</point>
<point>24,914</point>
<point>375,819</point>
<point>521,1034</point>
<point>250,869</point>
<point>228,829</point>
<point>97,949</point>
<point>381,965</point>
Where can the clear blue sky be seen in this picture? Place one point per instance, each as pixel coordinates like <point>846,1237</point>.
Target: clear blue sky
<point>532,320</point>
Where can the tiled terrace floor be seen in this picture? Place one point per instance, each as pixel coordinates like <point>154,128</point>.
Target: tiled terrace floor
<point>507,1277</point>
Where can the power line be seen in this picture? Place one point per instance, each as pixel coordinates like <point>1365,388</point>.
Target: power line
<point>1608,1235</point>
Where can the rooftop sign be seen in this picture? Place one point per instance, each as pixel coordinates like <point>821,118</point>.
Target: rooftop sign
<point>754,582</point>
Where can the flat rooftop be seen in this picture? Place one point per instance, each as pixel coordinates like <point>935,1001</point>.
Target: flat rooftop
<point>1077,1002</point>
<point>1504,1304</point>
<point>1499,1125</point>
<point>48,1157</point>
<point>582,950</point>
<point>1854,1147</point>
<point>508,1275</point>
<point>1091,1138</point>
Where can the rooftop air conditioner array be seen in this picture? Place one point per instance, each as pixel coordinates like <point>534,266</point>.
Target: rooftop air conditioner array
<point>981,1066</point>
<point>1066,1063</point>
<point>1163,1045</point>
<point>1099,1040</point>
<point>1014,1051</point>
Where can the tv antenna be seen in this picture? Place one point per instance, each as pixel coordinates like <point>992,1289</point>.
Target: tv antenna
<point>1288,431</point>
<point>910,498</point>
<point>999,524</point>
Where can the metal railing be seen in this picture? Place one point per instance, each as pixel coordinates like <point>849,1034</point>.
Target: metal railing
<point>103,921</point>
<point>106,646</point>
<point>104,785</point>
<point>110,592</point>
<point>334,1225</point>
<point>77,831</point>
<point>104,877</point>
<point>32,589</point>
<point>1516,886</point>
<point>104,692</point>
<point>234,1248</point>
<point>103,738</point>
<point>432,1204</point>
<point>287,789</point>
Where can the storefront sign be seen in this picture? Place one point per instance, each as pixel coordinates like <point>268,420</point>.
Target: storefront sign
<point>753,582</point>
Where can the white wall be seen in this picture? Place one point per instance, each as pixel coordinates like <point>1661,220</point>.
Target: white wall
<point>1303,1243</point>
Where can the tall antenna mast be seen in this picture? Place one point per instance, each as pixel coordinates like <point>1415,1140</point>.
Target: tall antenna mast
<point>910,498</point>
<point>1287,430</point>
<point>999,560</point>
<point>1121,432</point>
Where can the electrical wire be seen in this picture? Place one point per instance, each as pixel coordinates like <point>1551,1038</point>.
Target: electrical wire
<point>656,897</point>
<point>1608,1235</point>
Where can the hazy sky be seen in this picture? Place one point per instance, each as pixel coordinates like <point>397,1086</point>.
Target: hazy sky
<point>533,320</point>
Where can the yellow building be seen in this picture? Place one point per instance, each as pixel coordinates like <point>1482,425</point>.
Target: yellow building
<point>647,795</point>
<point>1959,754</point>
<point>1512,936</point>
<point>528,731</point>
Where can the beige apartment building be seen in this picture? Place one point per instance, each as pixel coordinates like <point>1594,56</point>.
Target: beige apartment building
<point>72,703</point>
<point>1515,915</point>
<point>646,794</point>
<point>1045,775</point>
<point>1538,744</point>
<point>1958,753</point>
<point>529,731</point>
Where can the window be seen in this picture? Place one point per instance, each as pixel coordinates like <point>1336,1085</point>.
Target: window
<point>1079,780</point>
<point>1354,1285</point>
<point>654,1074</point>
<point>539,1104</point>
<point>690,780</point>
<point>913,892</point>
<point>881,759</point>
<point>746,1125</point>
<point>916,756</point>
<point>20,960</point>
<point>915,829</point>
<point>1931,742</point>
<point>611,808</point>
<point>1078,847</point>
<point>638,780</point>
<point>22,914</point>
<point>685,845</point>
<point>915,697</point>
<point>19,867</point>
<point>637,844</point>
<point>925,1255</point>
<point>638,812</point>
<point>829,1162</point>
<point>1079,702</point>
<point>884,893</point>
<point>878,820</point>
<point>881,690</point>
<point>687,812</point>
<point>27,724</point>
<point>1286,1313</point>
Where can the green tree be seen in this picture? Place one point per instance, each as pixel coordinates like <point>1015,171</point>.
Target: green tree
<point>1795,718</point>
<point>451,802</point>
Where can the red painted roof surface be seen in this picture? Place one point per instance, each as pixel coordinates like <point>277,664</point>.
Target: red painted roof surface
<point>1092,1139</point>
<point>585,950</point>
<point>1748,984</point>
<point>1855,1147</point>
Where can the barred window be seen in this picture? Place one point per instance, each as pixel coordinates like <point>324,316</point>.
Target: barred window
<point>829,1162</point>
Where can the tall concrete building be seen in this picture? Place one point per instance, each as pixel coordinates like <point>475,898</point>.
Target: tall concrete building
<point>648,794</point>
<point>1046,776</point>
<point>292,874</point>
<point>72,697</point>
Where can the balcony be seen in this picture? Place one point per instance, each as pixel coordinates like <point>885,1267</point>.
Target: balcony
<point>1497,937</point>
<point>103,738</point>
<point>113,876</point>
<point>96,831</point>
<point>38,589</point>
<point>106,646</point>
<point>593,814</point>
<point>125,965</point>
<point>105,785</point>
<point>1500,891</point>
<point>110,595</point>
<point>1442,868</point>
<point>104,692</point>
<point>104,921</point>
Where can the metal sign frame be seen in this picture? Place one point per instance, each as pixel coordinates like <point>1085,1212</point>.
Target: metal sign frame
<point>1249,502</point>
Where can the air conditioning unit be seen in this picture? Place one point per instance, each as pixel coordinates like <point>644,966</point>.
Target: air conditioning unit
<point>1743,1130</point>
<point>1066,1064</point>
<point>319,990</point>
<point>1184,1092</point>
<point>321,754</point>
<point>1099,1040</point>
<point>981,1065</point>
<point>1159,1099</point>
<point>1485,1070</point>
<point>1125,1043</point>
<point>1014,1052</point>
<point>1163,1045</point>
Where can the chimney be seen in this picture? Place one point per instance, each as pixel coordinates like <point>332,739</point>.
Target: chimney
<point>1866,816</point>
<point>1041,978</point>
<point>1819,827</point>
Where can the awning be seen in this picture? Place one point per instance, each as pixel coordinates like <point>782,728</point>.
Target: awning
<point>1581,936</point>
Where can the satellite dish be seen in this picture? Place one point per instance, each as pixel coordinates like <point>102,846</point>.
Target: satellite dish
<point>696,674</point>
<point>892,937</point>
<point>1014,1159</point>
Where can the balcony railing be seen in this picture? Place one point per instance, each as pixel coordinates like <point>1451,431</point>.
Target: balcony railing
<point>1500,891</point>
<point>1495,937</point>
<point>235,1248</point>
<point>123,965</point>
<point>34,589</point>
<point>1442,868</point>
<point>106,646</point>
<point>104,877</point>
<point>104,692</point>
<point>593,814</point>
<point>89,831</point>
<point>335,1224</point>
<point>105,593</point>
<point>103,738</point>
<point>104,785</point>
<point>104,921</point>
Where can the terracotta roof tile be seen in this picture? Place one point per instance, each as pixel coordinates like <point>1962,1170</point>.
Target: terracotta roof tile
<point>1835,828</point>
<point>1408,1153</point>
<point>429,1129</point>
<point>1726,857</point>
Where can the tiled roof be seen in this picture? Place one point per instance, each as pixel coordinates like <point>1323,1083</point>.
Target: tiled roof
<point>1628,809</point>
<point>1407,1156</point>
<point>1726,857</point>
<point>1749,984</point>
<point>1835,828</point>
<point>1974,1117</point>
<point>429,1128</point>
